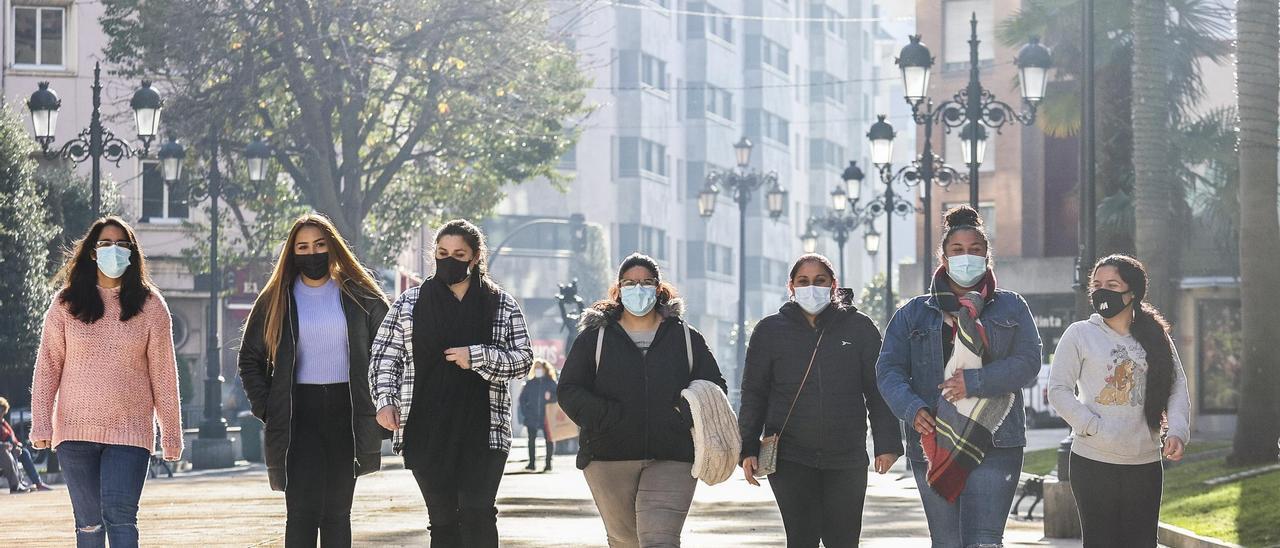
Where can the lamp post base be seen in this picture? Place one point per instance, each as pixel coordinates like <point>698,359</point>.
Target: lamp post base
<point>210,454</point>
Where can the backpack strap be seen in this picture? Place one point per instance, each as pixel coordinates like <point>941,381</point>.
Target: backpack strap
<point>599,345</point>
<point>688,345</point>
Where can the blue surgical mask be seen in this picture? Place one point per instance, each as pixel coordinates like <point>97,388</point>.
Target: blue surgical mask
<point>813,299</point>
<point>638,299</point>
<point>113,260</point>
<point>966,270</point>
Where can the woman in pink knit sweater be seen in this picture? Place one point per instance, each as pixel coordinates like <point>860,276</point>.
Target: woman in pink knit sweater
<point>104,375</point>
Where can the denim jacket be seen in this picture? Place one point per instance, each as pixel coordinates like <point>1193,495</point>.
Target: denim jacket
<point>910,367</point>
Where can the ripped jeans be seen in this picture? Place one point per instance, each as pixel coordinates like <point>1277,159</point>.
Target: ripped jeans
<point>105,483</point>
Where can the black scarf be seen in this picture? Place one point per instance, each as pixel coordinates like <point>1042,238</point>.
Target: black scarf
<point>451,405</point>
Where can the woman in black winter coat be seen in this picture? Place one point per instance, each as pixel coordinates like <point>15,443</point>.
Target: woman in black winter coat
<point>304,363</point>
<point>538,391</point>
<point>621,384</point>
<point>821,476</point>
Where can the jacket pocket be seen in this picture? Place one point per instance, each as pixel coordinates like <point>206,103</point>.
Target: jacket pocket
<point>1121,433</point>
<point>1003,332</point>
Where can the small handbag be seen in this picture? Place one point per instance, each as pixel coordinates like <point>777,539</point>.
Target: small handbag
<point>767,460</point>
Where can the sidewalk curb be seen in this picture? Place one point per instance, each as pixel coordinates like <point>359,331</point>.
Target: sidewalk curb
<point>1177,537</point>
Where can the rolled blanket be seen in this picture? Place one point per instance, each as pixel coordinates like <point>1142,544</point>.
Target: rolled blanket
<point>964,428</point>
<point>716,441</point>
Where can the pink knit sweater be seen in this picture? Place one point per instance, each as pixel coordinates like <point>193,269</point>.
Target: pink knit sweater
<point>107,381</point>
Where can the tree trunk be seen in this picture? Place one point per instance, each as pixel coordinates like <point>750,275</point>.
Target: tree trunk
<point>1152,192</point>
<point>1258,89</point>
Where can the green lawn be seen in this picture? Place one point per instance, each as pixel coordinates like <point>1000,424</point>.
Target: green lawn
<point>1245,512</point>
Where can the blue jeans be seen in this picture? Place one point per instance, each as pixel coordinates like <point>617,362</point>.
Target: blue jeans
<point>105,483</point>
<point>977,518</point>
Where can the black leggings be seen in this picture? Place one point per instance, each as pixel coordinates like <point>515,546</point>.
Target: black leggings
<point>819,504</point>
<point>1119,504</point>
<point>321,477</point>
<point>465,516</point>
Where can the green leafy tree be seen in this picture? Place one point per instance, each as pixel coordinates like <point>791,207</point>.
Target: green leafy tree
<point>24,237</point>
<point>872,301</point>
<point>68,203</point>
<point>373,108</point>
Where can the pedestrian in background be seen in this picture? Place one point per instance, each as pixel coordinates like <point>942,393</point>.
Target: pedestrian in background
<point>304,362</point>
<point>18,453</point>
<point>621,384</point>
<point>440,368</point>
<point>810,378</point>
<point>539,390</point>
<point>1126,370</point>
<point>952,368</point>
<point>105,375</point>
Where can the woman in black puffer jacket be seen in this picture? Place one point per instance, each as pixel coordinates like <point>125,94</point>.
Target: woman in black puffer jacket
<point>625,395</point>
<point>821,478</point>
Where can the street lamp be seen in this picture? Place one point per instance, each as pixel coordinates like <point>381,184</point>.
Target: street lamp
<point>928,171</point>
<point>96,142</point>
<point>973,106</point>
<point>256,156</point>
<point>973,135</point>
<point>871,239</point>
<point>742,182</point>
<point>212,448</point>
<point>844,218</point>
<point>881,137</point>
<point>171,156</point>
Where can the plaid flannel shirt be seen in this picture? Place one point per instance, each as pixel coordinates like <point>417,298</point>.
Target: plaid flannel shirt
<point>391,375</point>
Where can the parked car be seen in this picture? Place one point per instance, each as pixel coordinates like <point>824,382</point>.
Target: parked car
<point>1036,397</point>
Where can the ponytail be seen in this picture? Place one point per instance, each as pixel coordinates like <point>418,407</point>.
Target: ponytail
<point>1152,332</point>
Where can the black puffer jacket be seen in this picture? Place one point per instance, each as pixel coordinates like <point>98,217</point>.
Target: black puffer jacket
<point>270,386</point>
<point>828,428</point>
<point>628,410</point>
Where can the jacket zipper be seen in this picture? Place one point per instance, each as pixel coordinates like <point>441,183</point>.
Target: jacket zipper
<point>822,414</point>
<point>351,401</point>
<point>293,382</point>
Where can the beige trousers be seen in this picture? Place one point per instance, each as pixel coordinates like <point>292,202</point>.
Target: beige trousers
<point>643,502</point>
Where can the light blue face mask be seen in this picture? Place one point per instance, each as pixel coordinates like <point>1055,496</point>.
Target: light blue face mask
<point>966,270</point>
<point>638,299</point>
<point>113,260</point>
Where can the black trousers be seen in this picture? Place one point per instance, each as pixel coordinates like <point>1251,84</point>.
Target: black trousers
<point>819,504</point>
<point>465,516</point>
<point>1119,504</point>
<point>320,467</point>
<point>533,429</point>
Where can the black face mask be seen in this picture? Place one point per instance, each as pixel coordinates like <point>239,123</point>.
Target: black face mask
<point>314,266</point>
<point>1107,303</point>
<point>451,271</point>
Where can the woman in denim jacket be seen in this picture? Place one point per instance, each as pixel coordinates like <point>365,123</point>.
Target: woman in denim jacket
<point>952,368</point>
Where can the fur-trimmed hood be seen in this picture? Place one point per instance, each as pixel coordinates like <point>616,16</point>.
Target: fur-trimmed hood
<point>601,315</point>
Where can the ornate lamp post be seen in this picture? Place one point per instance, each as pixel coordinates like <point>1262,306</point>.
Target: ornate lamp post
<point>95,142</point>
<point>843,218</point>
<point>742,182</point>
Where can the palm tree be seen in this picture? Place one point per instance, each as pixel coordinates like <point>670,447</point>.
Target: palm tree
<point>1258,94</point>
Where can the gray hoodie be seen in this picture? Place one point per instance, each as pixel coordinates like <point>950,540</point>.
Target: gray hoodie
<point>1110,370</point>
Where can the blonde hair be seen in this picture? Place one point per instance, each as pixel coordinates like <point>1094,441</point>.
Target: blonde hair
<point>4,403</point>
<point>346,271</point>
<point>545,365</point>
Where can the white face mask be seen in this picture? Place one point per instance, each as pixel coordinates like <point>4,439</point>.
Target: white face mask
<point>813,299</point>
<point>539,374</point>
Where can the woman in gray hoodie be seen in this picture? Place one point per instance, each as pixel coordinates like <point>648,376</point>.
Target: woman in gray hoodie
<point>1132,408</point>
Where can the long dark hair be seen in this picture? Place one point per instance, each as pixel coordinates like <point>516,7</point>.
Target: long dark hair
<point>1152,332</point>
<point>79,276</point>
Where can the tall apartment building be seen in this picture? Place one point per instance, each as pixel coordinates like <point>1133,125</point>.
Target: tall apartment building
<point>676,84</point>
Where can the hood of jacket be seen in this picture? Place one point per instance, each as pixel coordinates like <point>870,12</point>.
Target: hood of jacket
<point>602,315</point>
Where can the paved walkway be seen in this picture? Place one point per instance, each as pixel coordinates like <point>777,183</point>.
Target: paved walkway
<point>235,508</point>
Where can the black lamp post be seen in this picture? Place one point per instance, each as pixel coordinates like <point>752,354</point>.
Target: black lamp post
<point>880,137</point>
<point>212,449</point>
<point>843,218</point>
<point>95,142</point>
<point>741,182</point>
<point>974,106</point>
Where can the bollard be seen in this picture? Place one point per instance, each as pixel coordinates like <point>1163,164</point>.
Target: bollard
<point>1061,519</point>
<point>250,437</point>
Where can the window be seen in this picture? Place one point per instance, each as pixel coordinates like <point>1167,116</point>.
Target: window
<point>955,33</point>
<point>828,19</point>
<point>653,157</point>
<point>719,102</point>
<point>653,71</point>
<point>642,238</point>
<point>774,55</point>
<point>824,153</point>
<point>38,36</point>
<point>824,86</point>
<point>161,200</point>
<point>718,259</point>
<point>773,127</point>
<point>718,23</point>
<point>636,154</point>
